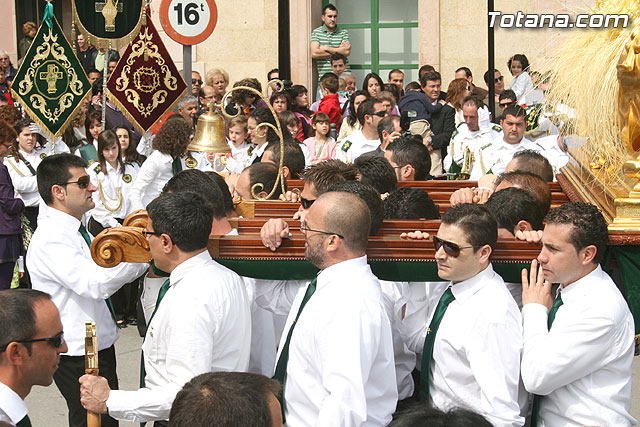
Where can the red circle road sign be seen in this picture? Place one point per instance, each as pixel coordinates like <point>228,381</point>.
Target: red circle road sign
<point>188,22</point>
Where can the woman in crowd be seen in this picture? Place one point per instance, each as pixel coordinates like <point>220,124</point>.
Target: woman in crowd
<point>350,123</point>
<point>373,84</point>
<point>128,148</point>
<point>458,90</point>
<point>29,30</point>
<point>300,106</point>
<point>218,79</point>
<point>521,83</point>
<point>11,208</point>
<point>279,101</point>
<point>244,101</point>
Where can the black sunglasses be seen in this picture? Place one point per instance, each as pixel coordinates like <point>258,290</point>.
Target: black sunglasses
<point>498,79</point>
<point>55,341</point>
<point>304,229</point>
<point>151,233</point>
<point>450,248</point>
<point>196,81</point>
<point>82,182</point>
<point>306,203</point>
<point>382,113</point>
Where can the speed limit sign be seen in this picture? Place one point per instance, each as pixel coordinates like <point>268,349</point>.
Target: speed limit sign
<point>188,22</point>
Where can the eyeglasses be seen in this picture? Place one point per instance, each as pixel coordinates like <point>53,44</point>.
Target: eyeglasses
<point>305,229</point>
<point>382,113</point>
<point>146,233</point>
<point>55,341</point>
<point>82,182</point>
<point>450,248</point>
<point>505,104</point>
<point>498,79</point>
<point>196,81</point>
<point>4,59</point>
<point>306,203</point>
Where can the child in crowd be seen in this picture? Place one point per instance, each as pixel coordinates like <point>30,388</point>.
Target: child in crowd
<point>237,132</point>
<point>338,64</point>
<point>330,104</point>
<point>290,122</point>
<point>321,146</point>
<point>414,99</point>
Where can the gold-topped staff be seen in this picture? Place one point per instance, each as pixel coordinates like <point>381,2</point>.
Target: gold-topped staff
<point>91,363</point>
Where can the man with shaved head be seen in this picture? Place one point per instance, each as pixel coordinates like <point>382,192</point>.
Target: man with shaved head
<point>338,365</point>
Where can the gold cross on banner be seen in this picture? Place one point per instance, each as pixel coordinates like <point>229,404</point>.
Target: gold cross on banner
<point>109,11</point>
<point>51,76</point>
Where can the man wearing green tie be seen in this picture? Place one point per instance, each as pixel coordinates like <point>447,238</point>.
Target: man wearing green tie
<point>471,336</point>
<point>579,346</point>
<point>31,341</point>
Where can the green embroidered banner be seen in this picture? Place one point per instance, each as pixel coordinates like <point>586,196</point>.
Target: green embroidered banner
<point>50,83</point>
<point>106,22</point>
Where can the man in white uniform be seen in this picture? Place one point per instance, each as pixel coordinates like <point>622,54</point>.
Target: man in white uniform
<point>578,349</point>
<point>201,323</point>
<point>370,112</point>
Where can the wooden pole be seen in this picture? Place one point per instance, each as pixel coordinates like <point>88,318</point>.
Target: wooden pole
<point>91,363</point>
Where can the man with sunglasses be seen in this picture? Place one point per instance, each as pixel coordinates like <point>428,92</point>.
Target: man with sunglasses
<point>196,83</point>
<point>472,340</point>
<point>370,112</point>
<point>60,264</point>
<point>338,366</point>
<point>31,341</point>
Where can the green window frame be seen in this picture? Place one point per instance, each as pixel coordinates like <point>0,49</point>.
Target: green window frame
<point>375,27</point>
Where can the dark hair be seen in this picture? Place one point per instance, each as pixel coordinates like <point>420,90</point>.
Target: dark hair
<point>239,95</point>
<point>477,222</point>
<point>588,226</point>
<point>326,174</point>
<point>520,57</point>
<point>432,76</point>
<point>353,114</point>
<point>320,117</point>
<point>338,57</point>
<point>15,147</point>
<point>531,182</point>
<point>348,216</point>
<point>266,174</point>
<point>425,69</point>
<point>93,70</point>
<point>227,200</point>
<point>387,124</point>
<point>294,92</point>
<point>370,196</point>
<point>420,415</point>
<point>473,99</point>
<point>273,70</point>
<point>173,137</point>
<point>508,94</point>
<point>410,203</point>
<point>131,154</point>
<point>263,115</point>
<point>293,157</point>
<point>106,139</point>
<point>395,70</point>
<point>365,82</point>
<point>407,151</point>
<point>393,90</point>
<point>54,170</point>
<point>329,6</point>
<point>329,81</point>
<point>17,315</point>
<point>196,181</point>
<point>512,205</point>
<point>534,162</point>
<point>376,172</point>
<point>367,107</point>
<point>488,77</point>
<point>224,399</point>
<point>94,116</point>
<point>467,71</point>
<point>412,86</point>
<point>186,217</point>
<point>515,111</point>
<point>283,95</point>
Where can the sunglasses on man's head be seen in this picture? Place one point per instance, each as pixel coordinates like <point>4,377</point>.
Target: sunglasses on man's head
<point>82,182</point>
<point>55,341</point>
<point>451,249</point>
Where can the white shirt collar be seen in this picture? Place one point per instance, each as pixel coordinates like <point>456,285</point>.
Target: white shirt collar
<point>63,218</point>
<point>12,404</point>
<point>327,275</point>
<point>574,290</point>
<point>181,270</point>
<point>465,289</point>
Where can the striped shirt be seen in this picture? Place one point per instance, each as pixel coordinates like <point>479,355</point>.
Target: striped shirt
<point>326,38</point>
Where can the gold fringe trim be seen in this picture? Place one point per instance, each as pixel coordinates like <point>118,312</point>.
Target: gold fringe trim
<point>103,43</point>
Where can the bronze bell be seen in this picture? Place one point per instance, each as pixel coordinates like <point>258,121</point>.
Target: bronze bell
<point>210,135</point>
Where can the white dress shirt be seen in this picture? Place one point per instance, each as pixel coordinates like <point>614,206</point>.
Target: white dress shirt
<point>582,366</point>
<point>476,356</point>
<point>358,146</point>
<point>154,173</point>
<point>341,368</point>
<point>494,157</point>
<point>203,325</point>
<point>60,264</point>
<point>12,407</point>
<point>522,86</point>
<point>110,182</point>
<point>474,140</point>
<point>24,182</point>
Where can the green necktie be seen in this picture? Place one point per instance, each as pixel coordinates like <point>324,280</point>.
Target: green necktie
<point>281,367</point>
<point>176,166</point>
<point>25,422</point>
<point>163,290</point>
<point>87,238</point>
<point>536,398</point>
<point>430,340</point>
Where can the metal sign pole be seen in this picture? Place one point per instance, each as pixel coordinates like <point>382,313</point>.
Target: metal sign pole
<point>186,66</point>
<point>104,88</point>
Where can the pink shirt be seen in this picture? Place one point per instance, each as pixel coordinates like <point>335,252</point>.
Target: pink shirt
<point>322,152</point>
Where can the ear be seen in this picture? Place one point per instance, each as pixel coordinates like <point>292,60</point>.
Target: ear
<point>262,194</point>
<point>523,225</point>
<point>407,171</point>
<point>588,254</point>
<point>285,171</point>
<point>167,243</point>
<point>485,253</point>
<point>332,243</point>
<point>58,192</point>
<point>15,354</point>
